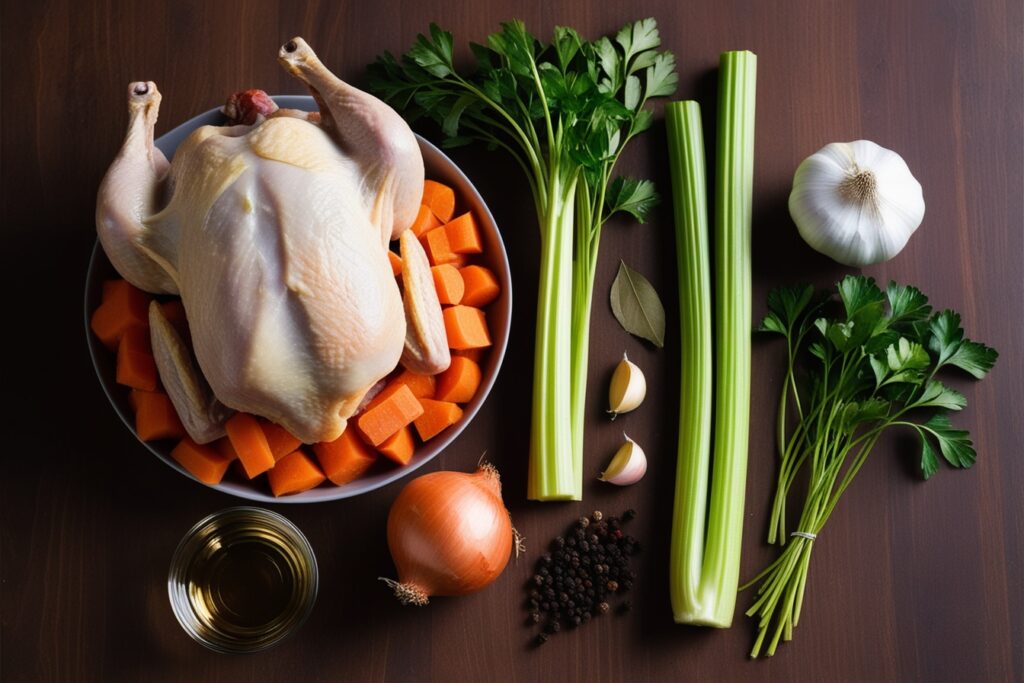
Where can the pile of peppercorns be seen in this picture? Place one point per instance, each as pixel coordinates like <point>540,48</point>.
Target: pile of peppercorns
<point>584,569</point>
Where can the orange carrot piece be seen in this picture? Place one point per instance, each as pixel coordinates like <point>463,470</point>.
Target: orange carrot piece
<point>463,235</point>
<point>224,447</point>
<point>458,384</point>
<point>422,386</point>
<point>155,416</point>
<point>281,441</point>
<point>436,246</point>
<point>135,365</point>
<point>466,327</point>
<point>123,306</point>
<point>294,473</point>
<point>437,416</point>
<point>474,355</point>
<point>203,462</point>
<point>249,441</point>
<point>390,415</point>
<point>396,262</point>
<point>448,283</point>
<point>425,221</point>
<point>346,458</point>
<point>480,284</point>
<point>399,446</point>
<point>440,198</point>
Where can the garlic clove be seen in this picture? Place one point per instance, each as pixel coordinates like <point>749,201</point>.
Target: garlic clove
<point>628,466</point>
<point>628,387</point>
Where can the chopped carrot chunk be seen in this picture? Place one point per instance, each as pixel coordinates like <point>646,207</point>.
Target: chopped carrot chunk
<point>481,287</point>
<point>155,416</point>
<point>425,221</point>
<point>391,414</point>
<point>249,441</point>
<point>463,235</point>
<point>440,198</point>
<point>437,416</point>
<point>123,306</point>
<point>459,382</point>
<point>399,446</point>
<point>136,367</point>
<point>466,327</point>
<point>346,458</point>
<point>203,462</point>
<point>294,473</point>
<point>448,283</point>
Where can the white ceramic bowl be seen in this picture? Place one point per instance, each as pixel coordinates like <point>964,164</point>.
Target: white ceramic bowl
<point>499,316</point>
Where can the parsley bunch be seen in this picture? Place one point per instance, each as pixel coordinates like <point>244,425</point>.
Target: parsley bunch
<point>564,111</point>
<point>871,366</point>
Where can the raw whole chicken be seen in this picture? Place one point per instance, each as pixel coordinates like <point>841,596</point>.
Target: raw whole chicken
<point>275,233</point>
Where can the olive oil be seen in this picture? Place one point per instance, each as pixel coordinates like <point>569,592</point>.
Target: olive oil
<point>242,579</point>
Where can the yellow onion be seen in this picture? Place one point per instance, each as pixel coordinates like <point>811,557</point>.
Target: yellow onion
<point>449,534</point>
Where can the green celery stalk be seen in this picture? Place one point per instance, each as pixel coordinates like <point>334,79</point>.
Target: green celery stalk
<point>689,201</point>
<point>554,478</point>
<point>706,537</point>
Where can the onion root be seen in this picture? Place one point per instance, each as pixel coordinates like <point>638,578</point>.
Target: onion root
<point>407,593</point>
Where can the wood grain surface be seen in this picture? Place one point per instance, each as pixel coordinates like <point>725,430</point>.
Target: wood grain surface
<point>910,581</point>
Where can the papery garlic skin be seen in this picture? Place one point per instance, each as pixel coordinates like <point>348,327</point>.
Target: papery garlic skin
<point>856,202</point>
<point>628,466</point>
<point>628,387</point>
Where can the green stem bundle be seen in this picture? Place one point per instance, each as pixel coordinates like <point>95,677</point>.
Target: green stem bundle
<point>872,365</point>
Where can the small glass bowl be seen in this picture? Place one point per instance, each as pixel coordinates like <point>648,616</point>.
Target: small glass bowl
<point>242,580</point>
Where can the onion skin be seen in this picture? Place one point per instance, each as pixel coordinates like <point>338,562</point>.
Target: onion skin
<point>449,534</point>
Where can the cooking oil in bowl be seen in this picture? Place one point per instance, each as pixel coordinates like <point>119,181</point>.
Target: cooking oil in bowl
<point>242,580</point>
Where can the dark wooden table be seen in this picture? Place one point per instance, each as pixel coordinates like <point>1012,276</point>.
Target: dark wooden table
<point>911,581</point>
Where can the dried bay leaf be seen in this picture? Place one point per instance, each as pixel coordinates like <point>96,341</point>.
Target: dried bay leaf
<point>637,307</point>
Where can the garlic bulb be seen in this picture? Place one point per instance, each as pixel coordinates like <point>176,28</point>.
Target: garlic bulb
<point>627,389</point>
<point>628,466</point>
<point>856,202</point>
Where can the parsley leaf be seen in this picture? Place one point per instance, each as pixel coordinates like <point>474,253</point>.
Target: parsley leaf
<point>785,306</point>
<point>955,444</point>
<point>858,292</point>
<point>869,410</point>
<point>974,357</point>
<point>929,460</point>
<point>907,304</point>
<point>945,335</point>
<point>638,39</point>
<point>937,395</point>
<point>635,197</point>
<point>662,78</point>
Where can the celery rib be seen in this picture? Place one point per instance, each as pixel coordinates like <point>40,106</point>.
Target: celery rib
<point>689,193</point>
<point>707,536</point>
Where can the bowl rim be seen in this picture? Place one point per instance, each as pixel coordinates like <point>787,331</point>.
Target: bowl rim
<point>501,327</point>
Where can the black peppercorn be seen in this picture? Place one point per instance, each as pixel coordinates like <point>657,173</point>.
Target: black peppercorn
<point>573,582</point>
